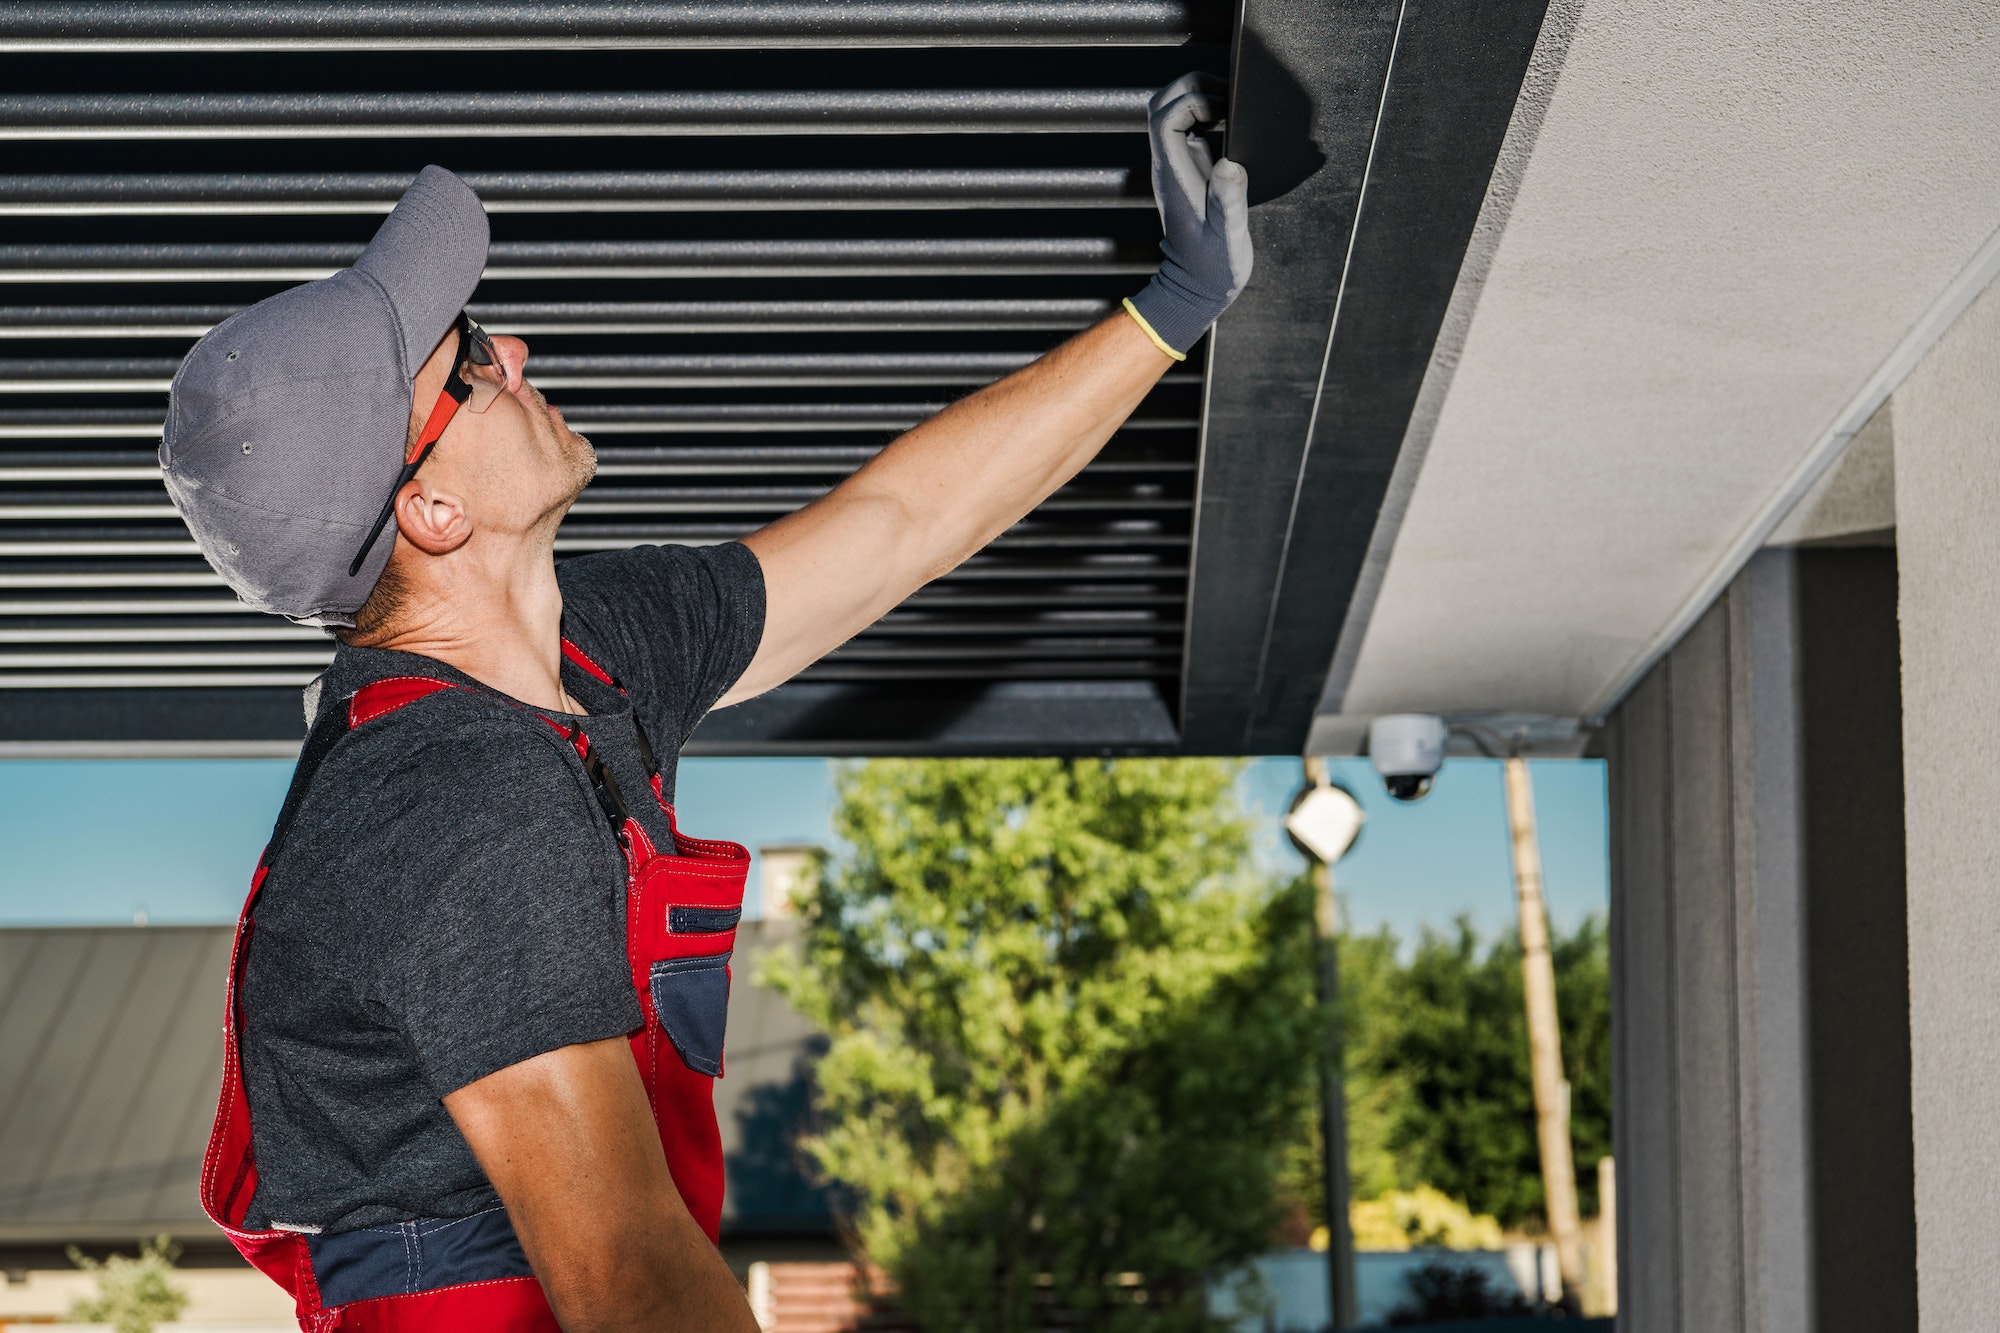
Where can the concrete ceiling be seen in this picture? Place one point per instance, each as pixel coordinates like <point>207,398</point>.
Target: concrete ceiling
<point>1717,237</point>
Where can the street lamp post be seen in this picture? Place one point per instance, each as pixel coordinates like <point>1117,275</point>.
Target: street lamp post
<point>1323,822</point>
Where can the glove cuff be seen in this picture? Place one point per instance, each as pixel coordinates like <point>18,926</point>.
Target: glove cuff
<point>1173,315</point>
<point>1152,333</point>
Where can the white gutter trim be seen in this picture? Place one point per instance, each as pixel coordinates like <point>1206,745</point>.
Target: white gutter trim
<point>1965,287</point>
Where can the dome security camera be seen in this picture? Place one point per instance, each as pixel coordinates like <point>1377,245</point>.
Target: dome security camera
<point>1406,750</point>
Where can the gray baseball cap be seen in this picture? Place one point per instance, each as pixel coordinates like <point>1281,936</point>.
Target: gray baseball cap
<point>286,423</point>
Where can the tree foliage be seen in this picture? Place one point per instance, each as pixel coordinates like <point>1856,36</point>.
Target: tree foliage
<point>133,1294</point>
<point>1070,1041</point>
<point>1422,1218</point>
<point>1438,1086</point>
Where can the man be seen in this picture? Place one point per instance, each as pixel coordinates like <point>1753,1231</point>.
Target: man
<point>477,1002</point>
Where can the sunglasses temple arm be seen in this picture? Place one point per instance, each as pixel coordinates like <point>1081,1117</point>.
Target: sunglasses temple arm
<point>409,470</point>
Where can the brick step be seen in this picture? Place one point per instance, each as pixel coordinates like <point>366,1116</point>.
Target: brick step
<point>826,1298</point>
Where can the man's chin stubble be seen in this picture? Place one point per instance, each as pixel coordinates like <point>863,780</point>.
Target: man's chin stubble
<point>578,455</point>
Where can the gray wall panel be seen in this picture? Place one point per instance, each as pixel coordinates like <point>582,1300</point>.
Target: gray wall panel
<point>35,1053</point>
<point>1703,947</point>
<point>1760,1043</point>
<point>1642,1012</point>
<point>179,1057</point>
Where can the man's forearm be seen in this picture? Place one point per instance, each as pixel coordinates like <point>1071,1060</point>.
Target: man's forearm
<point>941,492</point>
<point>978,467</point>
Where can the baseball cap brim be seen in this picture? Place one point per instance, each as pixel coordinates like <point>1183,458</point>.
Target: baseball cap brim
<point>428,256</point>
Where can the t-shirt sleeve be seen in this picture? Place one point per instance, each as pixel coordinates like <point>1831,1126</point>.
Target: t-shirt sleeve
<point>676,624</point>
<point>504,919</point>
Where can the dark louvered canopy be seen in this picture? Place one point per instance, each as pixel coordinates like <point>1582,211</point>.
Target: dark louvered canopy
<point>749,242</point>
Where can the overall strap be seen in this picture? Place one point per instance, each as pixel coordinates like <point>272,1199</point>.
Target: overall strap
<point>582,660</point>
<point>371,701</point>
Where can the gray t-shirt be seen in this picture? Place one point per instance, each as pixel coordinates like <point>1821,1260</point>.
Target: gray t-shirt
<point>450,899</point>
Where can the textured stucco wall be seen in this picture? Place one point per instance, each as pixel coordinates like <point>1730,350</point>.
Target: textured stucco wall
<point>1732,216</point>
<point>1948,552</point>
<point>1855,501</point>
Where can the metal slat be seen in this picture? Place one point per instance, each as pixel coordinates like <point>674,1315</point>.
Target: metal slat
<point>1069,655</point>
<point>610,537</point>
<point>979,569</point>
<point>925,604</point>
<point>775,500</point>
<point>865,650</point>
<point>738,499</point>
<point>67,679</point>
<point>271,633</point>
<point>617,537</point>
<point>521,260</point>
<point>1095,631</point>
<point>152,374</point>
<point>111,606</point>
<point>598,419</point>
<point>612,461</point>
<point>805,370</point>
<point>1073,670</point>
<point>86,661</point>
<point>607,317</point>
<point>244,194</point>
<point>428,115</point>
<point>70,679</point>
<point>251,25</point>
<point>103,578</point>
<point>659,317</point>
<point>947,594</point>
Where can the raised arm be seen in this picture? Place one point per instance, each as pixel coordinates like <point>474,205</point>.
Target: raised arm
<point>947,488</point>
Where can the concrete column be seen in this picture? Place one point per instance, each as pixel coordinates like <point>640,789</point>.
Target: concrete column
<point>1680,939</point>
<point>1948,539</point>
<point>1759,1183</point>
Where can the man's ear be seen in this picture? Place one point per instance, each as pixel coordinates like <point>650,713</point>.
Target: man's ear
<point>431,518</point>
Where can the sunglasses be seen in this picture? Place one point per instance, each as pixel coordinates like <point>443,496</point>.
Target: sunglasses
<point>464,391</point>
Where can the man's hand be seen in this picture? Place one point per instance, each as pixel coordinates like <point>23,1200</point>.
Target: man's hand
<point>570,1144</point>
<point>959,480</point>
<point>1204,217</point>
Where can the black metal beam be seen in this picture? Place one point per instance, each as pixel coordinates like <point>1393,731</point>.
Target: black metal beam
<point>266,713</point>
<point>1306,88</point>
<point>1014,718</point>
<point>802,718</point>
<point>1314,375</point>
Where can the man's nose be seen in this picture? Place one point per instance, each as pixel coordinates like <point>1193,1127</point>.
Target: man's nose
<point>513,355</point>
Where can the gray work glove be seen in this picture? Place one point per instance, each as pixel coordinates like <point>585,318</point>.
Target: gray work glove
<point>1205,212</point>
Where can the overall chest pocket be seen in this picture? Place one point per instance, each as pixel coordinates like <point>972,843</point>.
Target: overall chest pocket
<point>691,996</point>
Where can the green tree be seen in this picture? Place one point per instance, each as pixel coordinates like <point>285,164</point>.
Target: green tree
<point>1069,1038</point>
<point>1437,1066</point>
<point>133,1295</point>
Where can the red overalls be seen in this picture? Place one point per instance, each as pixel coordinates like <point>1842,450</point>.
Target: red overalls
<point>681,911</point>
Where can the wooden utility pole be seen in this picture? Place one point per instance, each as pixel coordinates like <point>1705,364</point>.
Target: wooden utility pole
<point>1538,978</point>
